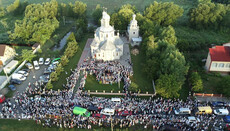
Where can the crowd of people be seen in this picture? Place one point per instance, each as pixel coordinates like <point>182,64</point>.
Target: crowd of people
<point>55,108</point>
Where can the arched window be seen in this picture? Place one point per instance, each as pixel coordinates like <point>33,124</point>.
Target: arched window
<point>117,54</point>
<point>106,35</point>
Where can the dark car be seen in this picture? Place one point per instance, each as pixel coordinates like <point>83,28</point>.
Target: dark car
<point>15,81</point>
<point>217,103</point>
<point>227,119</point>
<point>99,116</point>
<point>47,71</point>
<point>92,108</point>
<point>125,113</point>
<point>12,87</point>
<point>27,70</point>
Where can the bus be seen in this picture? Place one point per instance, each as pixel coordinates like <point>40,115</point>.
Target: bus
<point>56,59</point>
<point>81,111</point>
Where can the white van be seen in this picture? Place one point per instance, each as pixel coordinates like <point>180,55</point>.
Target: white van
<point>192,119</point>
<point>116,99</point>
<point>107,111</point>
<point>36,66</point>
<point>221,111</point>
<point>183,111</point>
<point>20,77</point>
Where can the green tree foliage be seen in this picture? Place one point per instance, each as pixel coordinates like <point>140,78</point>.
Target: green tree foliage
<point>2,11</point>
<point>82,24</point>
<point>168,34</point>
<point>54,76</point>
<point>79,9</point>
<point>59,69</point>
<point>163,13</point>
<point>207,15</point>
<point>27,55</point>
<point>38,24</point>
<point>196,82</point>
<point>97,14</point>
<point>13,6</point>
<point>224,86</point>
<point>168,86</point>
<point>133,87</point>
<point>122,18</point>
<point>49,85</point>
<point>72,46</point>
<point>204,1</point>
<point>64,60</point>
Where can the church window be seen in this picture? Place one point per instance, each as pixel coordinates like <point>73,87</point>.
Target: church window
<point>103,54</point>
<point>117,54</point>
<point>106,35</point>
<point>132,25</point>
<point>133,32</point>
<point>99,55</point>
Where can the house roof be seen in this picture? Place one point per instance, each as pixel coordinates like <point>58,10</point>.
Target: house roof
<point>2,49</point>
<point>220,53</point>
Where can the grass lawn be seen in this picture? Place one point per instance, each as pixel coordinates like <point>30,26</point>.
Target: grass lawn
<point>139,76</point>
<point>30,125</point>
<point>92,84</point>
<point>71,65</point>
<point>210,83</point>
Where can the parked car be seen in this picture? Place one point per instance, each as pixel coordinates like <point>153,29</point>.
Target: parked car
<point>47,71</point>
<point>47,61</point>
<point>36,66</point>
<point>221,111</point>
<point>27,70</point>
<point>12,87</point>
<point>125,113</point>
<point>29,66</point>
<point>41,61</point>
<point>99,116</point>
<point>107,111</point>
<point>44,79</point>
<point>227,119</point>
<point>182,111</point>
<point>18,76</point>
<point>2,98</point>
<point>92,108</point>
<point>217,103</point>
<point>192,119</point>
<point>23,73</point>
<point>15,81</point>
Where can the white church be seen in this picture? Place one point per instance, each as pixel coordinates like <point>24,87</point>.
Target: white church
<point>133,32</point>
<point>106,45</point>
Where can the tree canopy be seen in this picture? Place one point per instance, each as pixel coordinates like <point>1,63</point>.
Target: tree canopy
<point>207,14</point>
<point>97,14</point>
<point>27,55</point>
<point>38,24</point>
<point>163,13</point>
<point>79,9</point>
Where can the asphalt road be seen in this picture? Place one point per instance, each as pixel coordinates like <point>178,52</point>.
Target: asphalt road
<point>37,73</point>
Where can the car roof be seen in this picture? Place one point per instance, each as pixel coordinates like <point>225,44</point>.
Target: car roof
<point>192,118</point>
<point>223,110</point>
<point>184,109</point>
<point>108,110</point>
<point>116,99</point>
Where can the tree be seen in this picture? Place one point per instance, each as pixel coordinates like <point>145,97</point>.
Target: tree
<point>59,69</point>
<point>2,11</point>
<point>49,85</point>
<point>122,18</point>
<point>133,87</point>
<point>206,15</point>
<point>168,34</point>
<point>13,6</point>
<point>64,60</point>
<point>27,55</point>
<point>163,13</point>
<point>79,9</point>
<point>97,14</point>
<point>168,86</point>
<point>54,76</point>
<point>224,86</point>
<point>196,82</point>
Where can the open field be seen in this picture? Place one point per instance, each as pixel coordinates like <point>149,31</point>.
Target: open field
<point>92,84</point>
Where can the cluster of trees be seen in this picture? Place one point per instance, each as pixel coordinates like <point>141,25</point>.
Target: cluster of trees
<point>38,24</point>
<point>72,47</point>
<point>76,10</point>
<point>17,8</point>
<point>97,14</point>
<point>196,82</point>
<point>208,14</point>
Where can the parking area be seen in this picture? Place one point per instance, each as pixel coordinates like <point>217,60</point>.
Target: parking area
<point>32,78</point>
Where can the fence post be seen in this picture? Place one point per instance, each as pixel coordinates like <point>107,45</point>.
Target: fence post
<point>96,91</point>
<point>147,92</point>
<point>103,91</point>
<point>119,92</point>
<point>203,95</point>
<point>111,91</point>
<point>88,91</point>
<point>212,95</point>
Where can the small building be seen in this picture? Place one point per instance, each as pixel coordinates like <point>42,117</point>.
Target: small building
<point>7,53</point>
<point>36,46</point>
<point>11,66</point>
<point>218,59</point>
<point>133,32</point>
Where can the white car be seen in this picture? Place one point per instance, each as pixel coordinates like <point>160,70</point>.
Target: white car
<point>29,66</point>
<point>23,73</point>
<point>47,62</point>
<point>36,66</point>
<point>221,111</point>
<point>41,61</point>
<point>182,111</point>
<point>107,111</point>
<point>192,119</point>
<point>18,77</point>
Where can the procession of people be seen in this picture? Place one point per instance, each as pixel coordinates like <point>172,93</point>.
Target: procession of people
<point>55,108</point>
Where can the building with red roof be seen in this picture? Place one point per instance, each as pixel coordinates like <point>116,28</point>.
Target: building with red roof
<point>218,59</point>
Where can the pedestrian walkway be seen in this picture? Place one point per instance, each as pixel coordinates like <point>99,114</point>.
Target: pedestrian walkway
<point>86,52</point>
